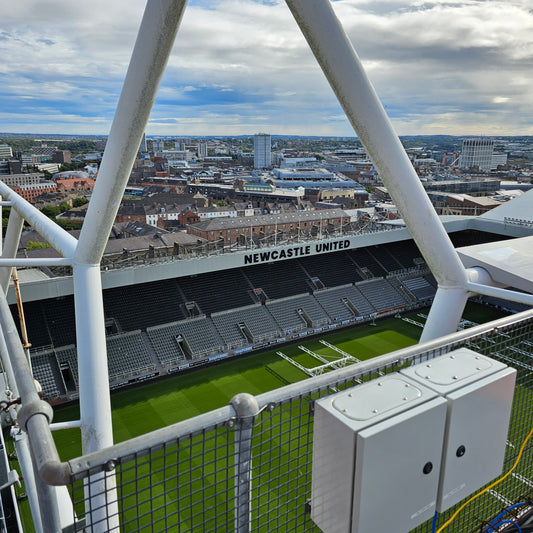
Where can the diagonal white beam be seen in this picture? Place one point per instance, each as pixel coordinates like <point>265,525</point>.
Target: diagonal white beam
<point>60,239</point>
<point>344,71</point>
<point>149,59</point>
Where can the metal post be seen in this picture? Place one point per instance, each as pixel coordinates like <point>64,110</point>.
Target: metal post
<point>445,313</point>
<point>11,243</point>
<point>95,402</point>
<point>24,458</point>
<point>148,61</point>
<point>149,58</point>
<point>48,504</point>
<point>246,408</point>
<point>61,240</point>
<point>345,73</point>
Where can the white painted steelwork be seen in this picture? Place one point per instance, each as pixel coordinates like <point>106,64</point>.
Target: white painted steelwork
<point>59,239</point>
<point>345,73</point>
<point>355,93</point>
<point>10,246</point>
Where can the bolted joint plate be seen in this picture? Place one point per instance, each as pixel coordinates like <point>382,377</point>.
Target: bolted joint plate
<point>37,407</point>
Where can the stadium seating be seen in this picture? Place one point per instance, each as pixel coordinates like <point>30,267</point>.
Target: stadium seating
<point>163,340</point>
<point>255,318</point>
<point>405,252</point>
<point>359,301</point>
<point>332,269</point>
<point>60,320</point>
<point>402,290</point>
<point>147,340</point>
<point>199,333</point>
<point>336,302</point>
<point>419,287</point>
<point>160,301</point>
<point>278,280</point>
<point>364,260</point>
<point>217,291</point>
<point>384,258</point>
<point>127,354</point>
<point>36,327</point>
<point>286,312</point>
<point>382,294</point>
<point>67,355</point>
<point>47,373</point>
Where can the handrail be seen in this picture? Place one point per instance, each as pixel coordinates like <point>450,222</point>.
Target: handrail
<point>60,239</point>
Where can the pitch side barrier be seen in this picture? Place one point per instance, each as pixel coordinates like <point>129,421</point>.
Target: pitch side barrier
<point>182,473</point>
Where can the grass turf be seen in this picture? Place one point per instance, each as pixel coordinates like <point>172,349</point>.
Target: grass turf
<point>160,403</point>
<point>163,402</point>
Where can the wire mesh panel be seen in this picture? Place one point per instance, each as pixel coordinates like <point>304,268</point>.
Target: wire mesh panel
<point>181,486</point>
<point>225,478</point>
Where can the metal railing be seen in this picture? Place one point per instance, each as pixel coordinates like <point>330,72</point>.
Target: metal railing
<point>247,467</point>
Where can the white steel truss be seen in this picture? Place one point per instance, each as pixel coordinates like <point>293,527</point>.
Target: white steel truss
<point>344,71</point>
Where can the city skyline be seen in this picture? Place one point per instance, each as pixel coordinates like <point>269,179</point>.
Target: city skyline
<point>459,68</point>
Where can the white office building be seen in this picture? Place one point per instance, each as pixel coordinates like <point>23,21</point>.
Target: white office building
<point>262,144</point>
<point>5,151</point>
<point>477,152</point>
<point>202,150</point>
<point>142,147</point>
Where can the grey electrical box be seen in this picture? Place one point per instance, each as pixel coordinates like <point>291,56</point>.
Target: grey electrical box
<point>377,450</point>
<point>479,392</point>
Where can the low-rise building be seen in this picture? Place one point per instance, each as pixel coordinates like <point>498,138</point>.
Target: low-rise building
<point>31,191</point>
<point>233,230</point>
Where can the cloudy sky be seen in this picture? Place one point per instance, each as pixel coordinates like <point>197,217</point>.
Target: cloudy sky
<point>462,67</point>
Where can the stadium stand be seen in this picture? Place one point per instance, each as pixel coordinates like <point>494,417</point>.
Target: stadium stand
<point>199,334</point>
<point>67,359</point>
<point>419,287</point>
<point>400,288</point>
<point>430,278</point>
<point>297,312</point>
<point>359,301</point>
<point>336,303</point>
<point>160,301</point>
<point>385,259</point>
<point>36,325</point>
<point>278,280</point>
<point>382,294</point>
<point>60,320</point>
<point>332,269</point>
<point>47,373</point>
<point>217,291</point>
<point>165,334</point>
<point>248,324</point>
<point>366,262</point>
<point>163,340</point>
<point>128,355</point>
<point>405,252</point>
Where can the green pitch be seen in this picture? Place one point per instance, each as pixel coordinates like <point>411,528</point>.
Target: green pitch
<point>157,404</point>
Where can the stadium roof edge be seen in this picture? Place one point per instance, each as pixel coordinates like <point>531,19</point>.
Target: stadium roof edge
<point>62,286</point>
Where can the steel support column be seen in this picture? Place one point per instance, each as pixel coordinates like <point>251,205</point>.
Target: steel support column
<point>344,71</point>
<point>246,408</point>
<point>10,246</point>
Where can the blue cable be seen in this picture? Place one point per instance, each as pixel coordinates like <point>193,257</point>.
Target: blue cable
<point>434,523</point>
<point>518,528</point>
<point>492,524</point>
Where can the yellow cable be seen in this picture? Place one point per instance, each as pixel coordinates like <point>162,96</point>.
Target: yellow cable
<point>454,516</point>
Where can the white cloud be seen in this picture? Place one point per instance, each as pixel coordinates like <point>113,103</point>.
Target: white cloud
<point>439,67</point>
